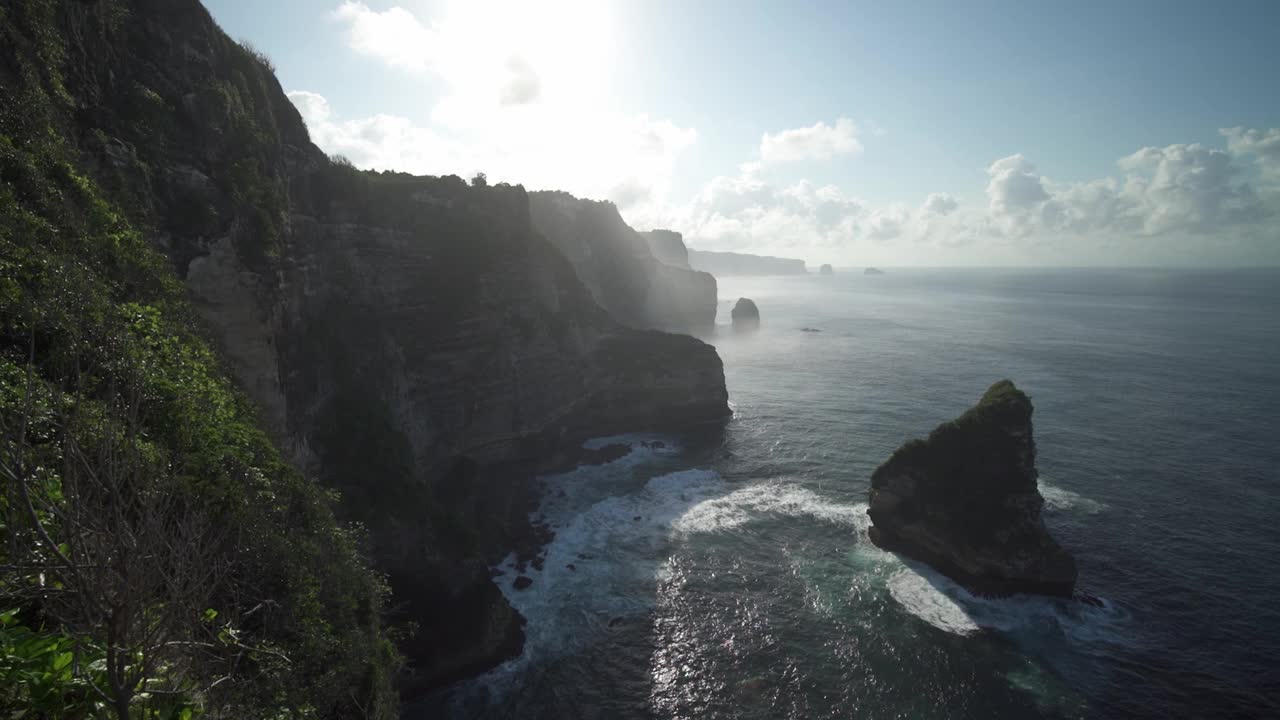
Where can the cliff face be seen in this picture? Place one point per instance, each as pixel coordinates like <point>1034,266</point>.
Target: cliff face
<point>728,263</point>
<point>617,266</point>
<point>413,342</point>
<point>668,247</point>
<point>965,500</point>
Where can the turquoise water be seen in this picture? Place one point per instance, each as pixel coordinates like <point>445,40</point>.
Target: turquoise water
<point>730,576</point>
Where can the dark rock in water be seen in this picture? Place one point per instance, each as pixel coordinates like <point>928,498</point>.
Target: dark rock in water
<point>522,582</point>
<point>606,454</point>
<point>872,271</point>
<point>965,501</point>
<point>826,270</point>
<point>746,316</point>
<point>638,518</point>
<point>809,329</point>
<point>572,567</point>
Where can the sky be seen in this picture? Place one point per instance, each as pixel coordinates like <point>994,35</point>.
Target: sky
<point>927,133</point>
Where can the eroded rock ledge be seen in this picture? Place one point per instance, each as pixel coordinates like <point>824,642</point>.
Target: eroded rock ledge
<point>965,500</point>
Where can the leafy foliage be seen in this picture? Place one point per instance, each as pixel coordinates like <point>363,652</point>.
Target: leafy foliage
<point>99,348</point>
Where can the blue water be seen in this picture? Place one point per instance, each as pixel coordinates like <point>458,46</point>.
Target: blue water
<point>731,577</point>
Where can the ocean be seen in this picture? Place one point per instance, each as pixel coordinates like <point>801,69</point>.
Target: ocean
<point>730,576</point>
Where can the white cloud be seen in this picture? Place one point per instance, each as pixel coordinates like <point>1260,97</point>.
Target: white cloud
<point>1259,147</point>
<point>395,35</point>
<point>523,97</point>
<point>1014,189</point>
<point>816,142</point>
<point>1262,143</point>
<point>492,53</point>
<point>941,204</point>
<point>1189,188</point>
<point>629,159</point>
<point>1177,189</point>
<point>381,141</point>
<point>1178,198</point>
<point>523,84</point>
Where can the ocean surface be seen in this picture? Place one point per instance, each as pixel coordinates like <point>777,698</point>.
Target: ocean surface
<point>731,576</point>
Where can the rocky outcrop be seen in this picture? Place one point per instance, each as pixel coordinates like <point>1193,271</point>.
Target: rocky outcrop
<point>745,316</point>
<point>872,271</point>
<point>618,267</point>
<point>826,270</point>
<point>724,264</point>
<point>414,342</point>
<point>965,500</point>
<point>668,247</point>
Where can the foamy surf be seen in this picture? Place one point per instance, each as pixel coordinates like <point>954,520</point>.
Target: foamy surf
<point>741,506</point>
<point>944,604</point>
<point>1063,500</point>
<point>601,567</point>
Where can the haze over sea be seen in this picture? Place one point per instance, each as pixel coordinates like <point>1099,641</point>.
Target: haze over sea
<point>732,576</point>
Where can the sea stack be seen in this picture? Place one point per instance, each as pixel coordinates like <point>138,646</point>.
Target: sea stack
<point>826,270</point>
<point>965,500</point>
<point>746,316</point>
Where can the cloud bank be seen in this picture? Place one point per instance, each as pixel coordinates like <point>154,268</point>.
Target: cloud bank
<point>520,104</point>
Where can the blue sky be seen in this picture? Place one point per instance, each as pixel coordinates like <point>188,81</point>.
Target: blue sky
<point>931,133</point>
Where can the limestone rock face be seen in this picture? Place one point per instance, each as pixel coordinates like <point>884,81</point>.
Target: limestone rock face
<point>965,500</point>
<point>621,271</point>
<point>745,316</point>
<point>414,342</point>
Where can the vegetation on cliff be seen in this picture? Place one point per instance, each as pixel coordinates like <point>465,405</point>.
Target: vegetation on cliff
<point>159,557</point>
<point>974,457</point>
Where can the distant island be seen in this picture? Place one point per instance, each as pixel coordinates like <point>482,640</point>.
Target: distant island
<point>826,270</point>
<point>729,263</point>
<point>873,271</point>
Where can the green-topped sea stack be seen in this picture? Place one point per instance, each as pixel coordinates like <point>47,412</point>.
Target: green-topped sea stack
<point>965,501</point>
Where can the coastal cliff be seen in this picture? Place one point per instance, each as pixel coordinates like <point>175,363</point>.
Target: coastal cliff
<point>668,247</point>
<point>415,343</point>
<point>622,273</point>
<point>731,263</point>
<point>965,500</point>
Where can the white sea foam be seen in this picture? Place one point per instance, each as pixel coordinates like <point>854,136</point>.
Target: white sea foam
<point>915,594</point>
<point>737,508</point>
<point>612,544</point>
<point>1062,500</point>
<point>658,444</point>
<point>942,603</point>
